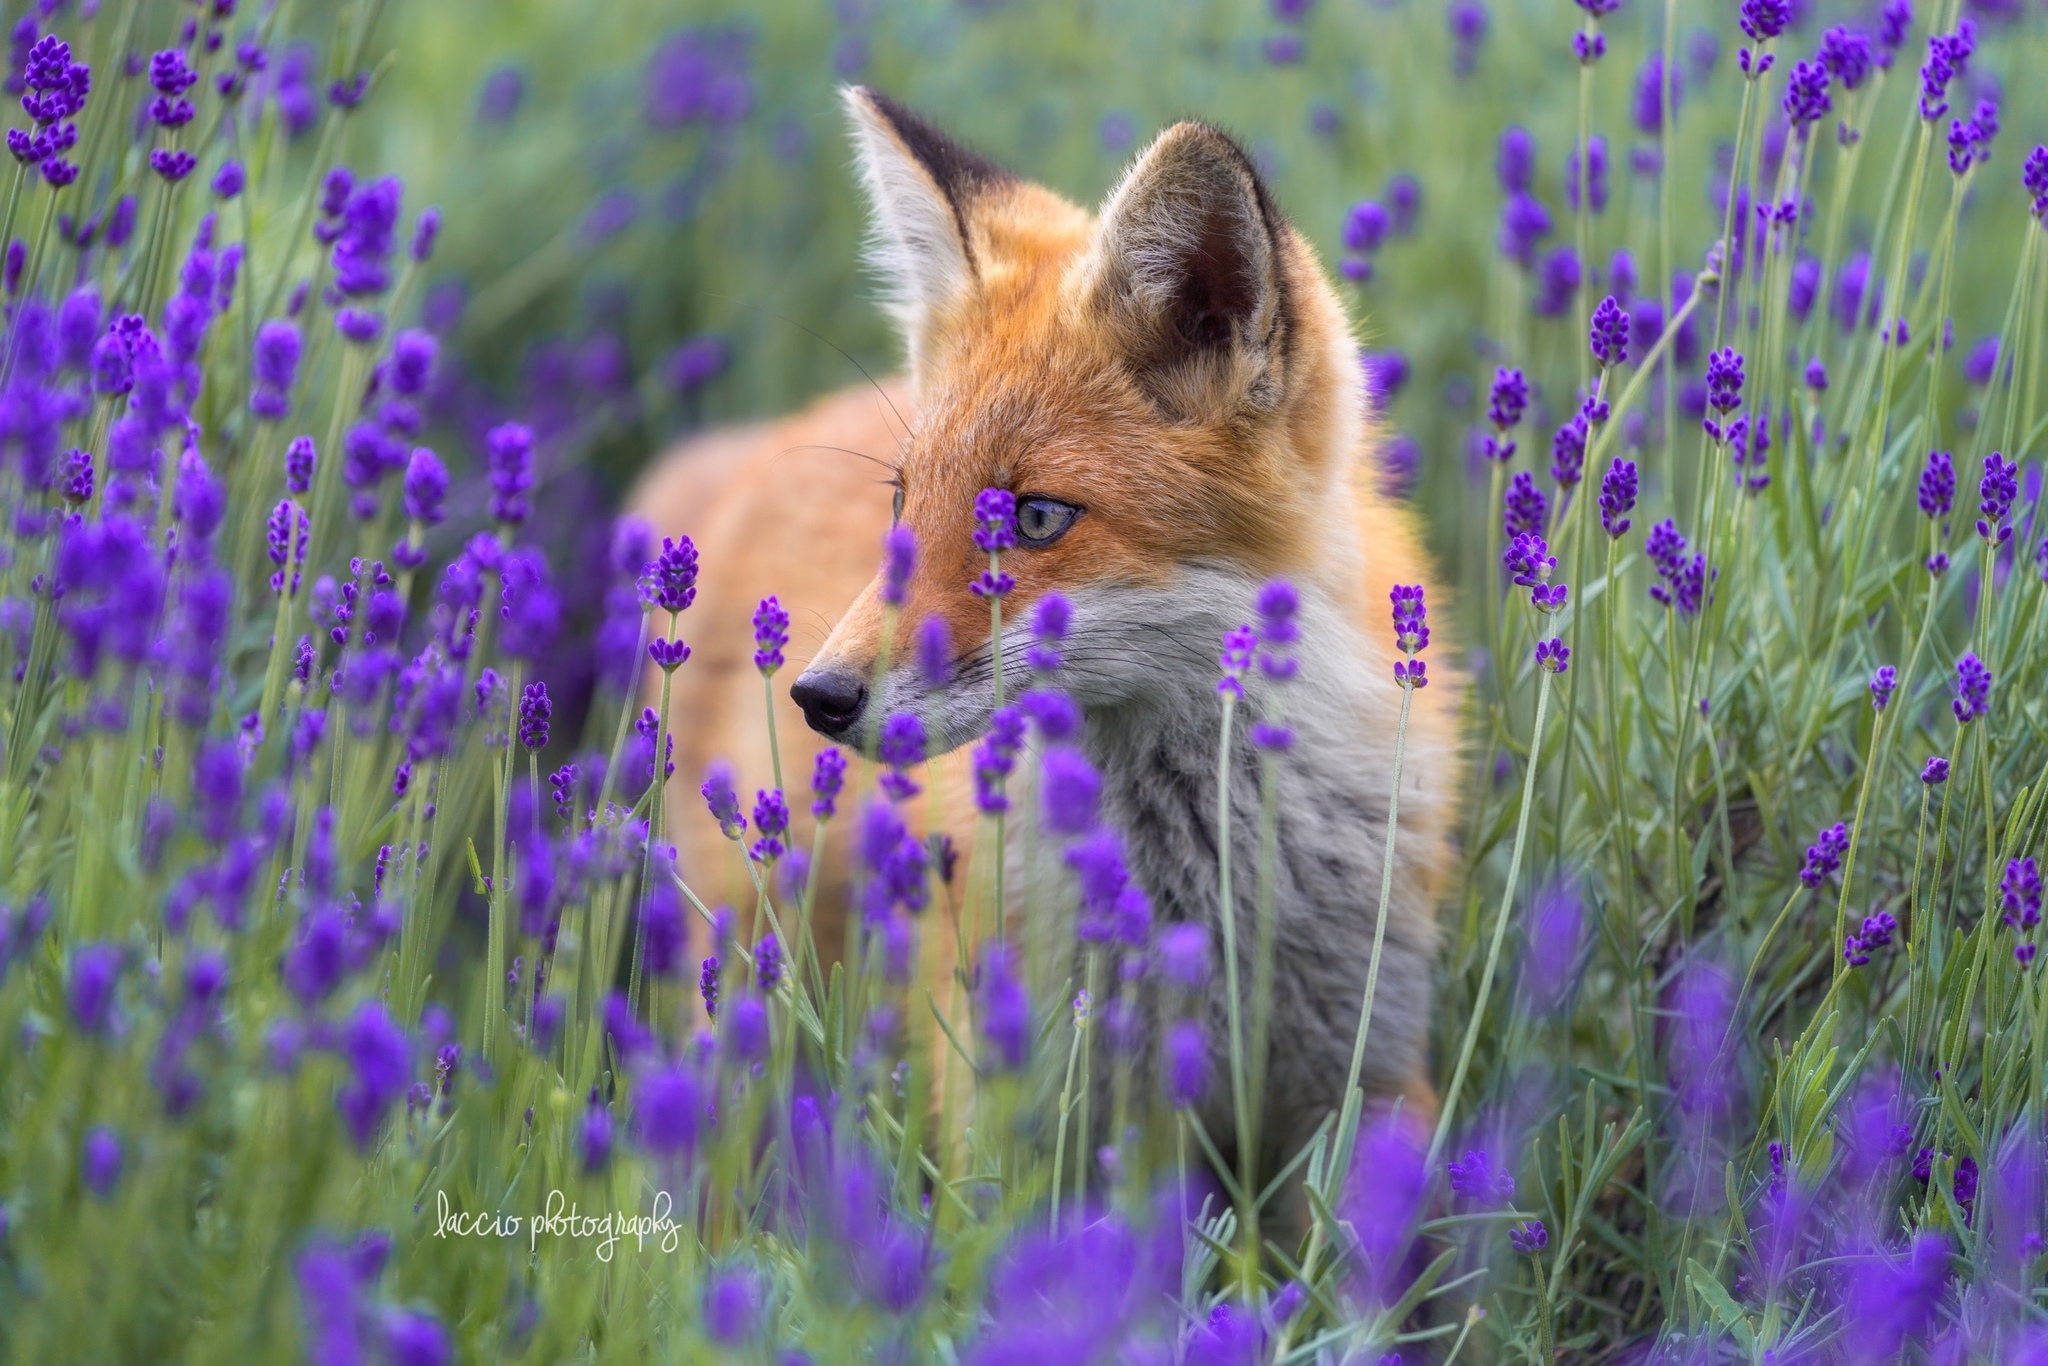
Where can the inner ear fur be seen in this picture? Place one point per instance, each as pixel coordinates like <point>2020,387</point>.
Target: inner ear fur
<point>1188,269</point>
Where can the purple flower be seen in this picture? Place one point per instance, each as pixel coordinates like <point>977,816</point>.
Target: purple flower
<point>1882,684</point>
<point>95,970</point>
<point>1596,181</point>
<point>1524,508</point>
<point>1617,497</point>
<point>1278,606</point>
<point>771,821</point>
<point>534,712</point>
<point>510,450</point>
<point>594,1142</point>
<point>1385,372</point>
<point>1608,336</point>
<point>1938,485</point>
<point>1004,1009</point>
<point>426,485</point>
<point>828,779</point>
<point>1411,618</point>
<point>1468,30</point>
<point>1935,772</point>
<point>723,800</point>
<point>670,580</point>
<point>1069,791</point>
<point>100,1162</point>
<point>1187,1064</point>
<point>1553,655</point>
<point>1996,492</point>
<point>696,363</point>
<point>901,746</point>
<point>1052,618</point>
<point>1846,55</point>
<point>1508,400</point>
<point>1724,382</point>
<point>378,1057</point>
<point>1239,645</point>
<point>1973,689</point>
<point>1515,160</point>
<point>1806,95</point>
<point>899,559</point>
<point>1529,1238</point>
<point>1568,455</point>
<point>1366,226</point>
<point>1816,375</point>
<point>732,1307</point>
<point>707,985</point>
<point>2020,888</point>
<point>771,634</point>
<point>995,518</point>
<point>2034,176</point>
<point>669,1108</point>
<point>274,367</point>
<point>1523,223</point>
<point>934,652</point>
<point>1557,282</point>
<point>1824,856</point>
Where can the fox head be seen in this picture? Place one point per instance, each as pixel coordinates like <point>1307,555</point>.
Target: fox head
<point>1169,387</point>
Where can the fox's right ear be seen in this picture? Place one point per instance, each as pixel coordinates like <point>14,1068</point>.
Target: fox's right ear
<point>922,187</point>
<point>1187,271</point>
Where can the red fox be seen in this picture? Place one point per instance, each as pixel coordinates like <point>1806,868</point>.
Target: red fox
<point>1172,391</point>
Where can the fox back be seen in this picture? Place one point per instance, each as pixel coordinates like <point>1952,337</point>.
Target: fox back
<point>1171,390</point>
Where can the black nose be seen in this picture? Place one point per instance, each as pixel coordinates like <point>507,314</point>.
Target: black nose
<point>831,700</point>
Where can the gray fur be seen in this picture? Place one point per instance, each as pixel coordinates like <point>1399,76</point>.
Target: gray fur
<point>1143,664</point>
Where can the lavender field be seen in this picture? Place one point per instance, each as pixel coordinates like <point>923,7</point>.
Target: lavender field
<point>362,1001</point>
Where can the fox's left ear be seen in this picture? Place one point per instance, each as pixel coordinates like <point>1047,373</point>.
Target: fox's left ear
<point>1187,269</point>
<point>922,187</point>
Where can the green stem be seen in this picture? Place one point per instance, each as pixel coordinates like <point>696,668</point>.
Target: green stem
<point>1500,931</point>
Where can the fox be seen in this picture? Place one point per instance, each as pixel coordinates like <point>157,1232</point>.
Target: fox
<point>1170,387</point>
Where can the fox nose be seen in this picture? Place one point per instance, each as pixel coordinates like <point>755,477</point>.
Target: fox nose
<point>831,699</point>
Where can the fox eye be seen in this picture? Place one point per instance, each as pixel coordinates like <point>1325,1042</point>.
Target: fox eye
<point>896,506</point>
<point>1041,521</point>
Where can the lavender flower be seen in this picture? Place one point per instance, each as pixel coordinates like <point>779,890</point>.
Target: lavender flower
<point>1595,180</point>
<point>723,800</point>
<point>510,448</point>
<point>1187,1064</point>
<point>1004,1010</point>
<point>1608,336</point>
<point>1882,684</point>
<point>1553,654</point>
<point>771,822</point>
<point>1996,492</point>
<point>1973,689</point>
<point>100,1162</point>
<point>1529,1238</point>
<point>1411,633</point>
<point>1824,856</point>
<point>1238,647</point>
<point>1524,508</point>
<point>1937,485</point>
<point>1935,772</point>
<point>670,579</point>
<point>771,634</point>
<point>1069,791</point>
<point>1506,403</point>
<point>1806,96</point>
<point>1051,620</point>
<point>1568,453</point>
<point>2020,889</point>
<point>1846,55</point>
<point>1617,497</point>
<point>899,558</point>
<point>934,652</point>
<point>828,779</point>
<point>1515,160</point>
<point>534,712</point>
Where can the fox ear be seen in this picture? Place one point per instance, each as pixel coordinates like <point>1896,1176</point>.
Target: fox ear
<point>1186,267</point>
<point>921,186</point>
